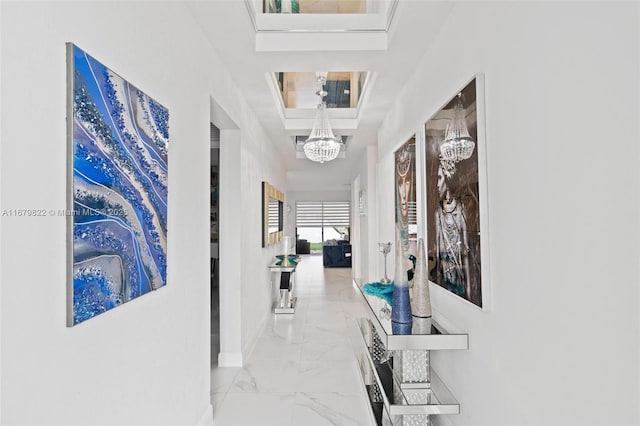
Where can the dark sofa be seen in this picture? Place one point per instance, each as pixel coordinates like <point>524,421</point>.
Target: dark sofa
<point>336,255</point>
<point>303,247</point>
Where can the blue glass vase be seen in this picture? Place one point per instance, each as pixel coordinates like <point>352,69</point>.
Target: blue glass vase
<point>401,302</point>
<point>398,328</point>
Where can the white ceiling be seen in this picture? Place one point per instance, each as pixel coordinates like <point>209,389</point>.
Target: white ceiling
<point>228,26</point>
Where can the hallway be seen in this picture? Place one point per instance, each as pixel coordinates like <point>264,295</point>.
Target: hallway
<point>303,370</point>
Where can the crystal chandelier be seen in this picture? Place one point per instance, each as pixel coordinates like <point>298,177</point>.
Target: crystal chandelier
<point>457,145</point>
<point>321,145</point>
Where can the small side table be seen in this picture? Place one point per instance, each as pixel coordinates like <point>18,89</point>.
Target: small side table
<point>285,302</point>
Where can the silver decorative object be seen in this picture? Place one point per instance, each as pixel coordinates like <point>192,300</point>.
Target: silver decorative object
<point>422,325</point>
<point>385,248</point>
<point>286,243</point>
<point>421,302</point>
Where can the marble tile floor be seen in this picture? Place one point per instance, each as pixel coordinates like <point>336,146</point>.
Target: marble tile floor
<point>303,370</point>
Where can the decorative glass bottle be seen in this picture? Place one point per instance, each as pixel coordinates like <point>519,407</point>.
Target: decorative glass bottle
<point>421,302</point>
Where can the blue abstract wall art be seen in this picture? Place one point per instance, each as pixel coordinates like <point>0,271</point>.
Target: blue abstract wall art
<point>117,204</point>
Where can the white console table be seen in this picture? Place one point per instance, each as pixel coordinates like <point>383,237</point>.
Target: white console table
<point>403,389</point>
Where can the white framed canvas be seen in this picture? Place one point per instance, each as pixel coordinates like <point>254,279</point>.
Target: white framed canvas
<point>456,195</point>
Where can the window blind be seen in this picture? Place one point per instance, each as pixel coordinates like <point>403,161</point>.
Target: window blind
<point>315,214</point>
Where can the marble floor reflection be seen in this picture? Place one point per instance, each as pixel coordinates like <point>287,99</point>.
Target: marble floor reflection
<point>303,370</point>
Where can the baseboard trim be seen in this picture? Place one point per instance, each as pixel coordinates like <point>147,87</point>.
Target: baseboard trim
<point>230,359</point>
<point>207,416</point>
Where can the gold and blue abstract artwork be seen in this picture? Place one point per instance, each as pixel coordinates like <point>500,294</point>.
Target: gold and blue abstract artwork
<point>118,181</point>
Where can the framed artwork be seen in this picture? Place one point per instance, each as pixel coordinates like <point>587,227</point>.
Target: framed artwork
<point>118,139</point>
<point>405,201</point>
<point>405,188</point>
<point>456,196</point>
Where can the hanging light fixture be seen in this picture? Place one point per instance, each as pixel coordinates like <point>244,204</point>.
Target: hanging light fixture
<point>321,145</point>
<point>457,145</point>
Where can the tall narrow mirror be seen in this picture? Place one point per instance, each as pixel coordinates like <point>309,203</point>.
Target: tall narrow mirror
<point>272,214</point>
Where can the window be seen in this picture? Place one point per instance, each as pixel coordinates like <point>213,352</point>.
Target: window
<point>323,220</point>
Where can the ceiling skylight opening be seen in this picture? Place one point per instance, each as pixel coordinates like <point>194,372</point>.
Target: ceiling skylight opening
<point>322,16</point>
<point>324,6</point>
<point>298,89</point>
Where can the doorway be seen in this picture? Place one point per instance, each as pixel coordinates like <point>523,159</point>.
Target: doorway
<point>226,331</point>
<point>214,241</point>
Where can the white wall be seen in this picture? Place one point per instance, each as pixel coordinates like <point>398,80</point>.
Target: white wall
<point>254,260</point>
<point>560,343</point>
<point>370,262</point>
<point>146,362</point>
